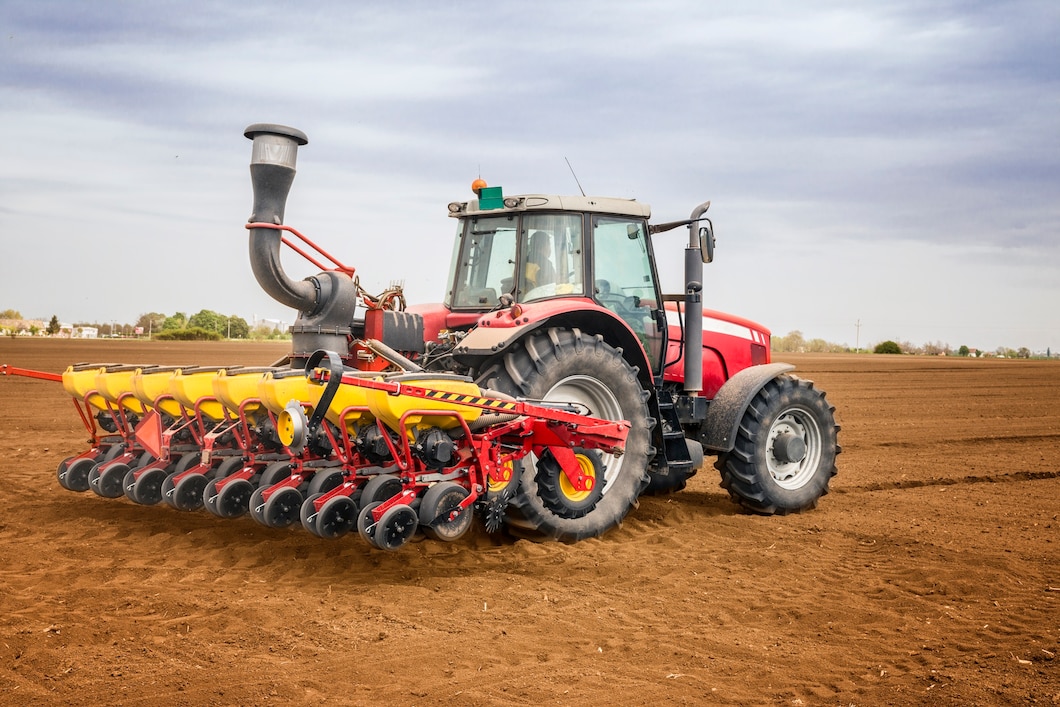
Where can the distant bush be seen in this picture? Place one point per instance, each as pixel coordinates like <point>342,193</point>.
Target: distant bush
<point>190,334</point>
<point>887,347</point>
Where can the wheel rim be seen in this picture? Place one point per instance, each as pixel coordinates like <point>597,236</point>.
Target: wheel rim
<point>111,480</point>
<point>396,527</point>
<point>601,402</point>
<point>440,500</point>
<point>336,517</point>
<point>308,513</point>
<point>507,472</point>
<point>793,474</point>
<point>187,493</point>
<point>567,488</point>
<point>147,489</point>
<point>234,498</point>
<point>75,477</point>
<point>257,505</point>
<point>283,507</point>
<point>209,498</point>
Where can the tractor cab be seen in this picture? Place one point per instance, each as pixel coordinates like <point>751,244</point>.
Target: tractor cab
<point>535,248</point>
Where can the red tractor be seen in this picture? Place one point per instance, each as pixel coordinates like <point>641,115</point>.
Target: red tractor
<point>556,300</point>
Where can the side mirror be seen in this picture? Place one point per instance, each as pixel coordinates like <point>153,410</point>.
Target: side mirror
<point>706,242</point>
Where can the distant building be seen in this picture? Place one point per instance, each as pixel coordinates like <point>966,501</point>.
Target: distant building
<point>22,327</point>
<point>78,332</point>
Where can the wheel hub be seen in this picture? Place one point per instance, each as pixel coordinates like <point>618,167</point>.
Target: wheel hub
<point>789,447</point>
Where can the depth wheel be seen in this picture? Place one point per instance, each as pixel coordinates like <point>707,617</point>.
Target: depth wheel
<point>336,518</point>
<point>147,488</point>
<point>75,476</point>
<point>187,493</point>
<point>785,450</point>
<point>128,483</point>
<point>325,480</point>
<point>274,473</point>
<point>438,502</point>
<point>366,525</point>
<point>233,500</point>
<point>186,462</point>
<point>567,365</point>
<point>396,527</point>
<point>256,505</point>
<point>110,480</point>
<point>380,488</point>
<point>308,513</point>
<point>283,507</point>
<point>209,498</point>
<point>228,467</point>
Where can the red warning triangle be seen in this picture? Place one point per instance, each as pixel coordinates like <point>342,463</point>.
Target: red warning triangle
<point>149,433</point>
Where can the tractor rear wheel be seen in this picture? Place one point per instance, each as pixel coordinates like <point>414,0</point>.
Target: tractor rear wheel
<point>784,456</point>
<point>566,365</point>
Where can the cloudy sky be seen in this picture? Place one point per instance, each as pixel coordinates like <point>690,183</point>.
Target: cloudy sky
<point>891,163</point>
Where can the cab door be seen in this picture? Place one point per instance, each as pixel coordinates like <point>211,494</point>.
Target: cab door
<point>624,280</point>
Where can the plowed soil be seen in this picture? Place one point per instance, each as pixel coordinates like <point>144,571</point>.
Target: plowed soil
<point>930,574</point>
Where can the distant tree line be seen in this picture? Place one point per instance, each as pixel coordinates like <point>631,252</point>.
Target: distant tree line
<point>202,326</point>
<point>795,342</point>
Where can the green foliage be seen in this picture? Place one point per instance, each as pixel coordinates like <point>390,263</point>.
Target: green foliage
<point>151,322</point>
<point>263,331</point>
<point>887,347</point>
<point>178,321</point>
<point>238,328</point>
<point>53,326</point>
<point>209,320</point>
<point>189,334</point>
<point>10,314</point>
<point>963,351</point>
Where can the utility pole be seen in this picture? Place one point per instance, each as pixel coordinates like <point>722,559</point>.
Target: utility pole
<point>857,337</point>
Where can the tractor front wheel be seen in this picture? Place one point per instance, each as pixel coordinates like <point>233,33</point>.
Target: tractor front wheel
<point>566,365</point>
<point>785,451</point>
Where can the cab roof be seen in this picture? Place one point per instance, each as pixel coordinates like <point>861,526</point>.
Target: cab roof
<point>548,202</point>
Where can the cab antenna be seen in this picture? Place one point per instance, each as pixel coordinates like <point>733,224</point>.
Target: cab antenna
<point>575,176</point>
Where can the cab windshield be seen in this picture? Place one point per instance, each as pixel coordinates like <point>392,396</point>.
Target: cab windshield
<point>489,250</point>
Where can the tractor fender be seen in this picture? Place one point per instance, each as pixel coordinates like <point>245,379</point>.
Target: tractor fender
<point>497,332</point>
<point>483,342</point>
<point>728,406</point>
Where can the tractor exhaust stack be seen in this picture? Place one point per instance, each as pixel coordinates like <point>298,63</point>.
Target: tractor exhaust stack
<point>326,301</point>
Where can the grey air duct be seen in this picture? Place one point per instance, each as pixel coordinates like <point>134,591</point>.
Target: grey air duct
<point>326,301</point>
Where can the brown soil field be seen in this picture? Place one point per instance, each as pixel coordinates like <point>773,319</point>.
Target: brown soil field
<point>930,574</point>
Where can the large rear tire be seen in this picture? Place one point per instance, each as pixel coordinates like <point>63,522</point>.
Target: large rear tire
<point>567,365</point>
<point>785,451</point>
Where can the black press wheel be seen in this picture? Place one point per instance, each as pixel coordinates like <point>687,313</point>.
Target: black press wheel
<point>256,505</point>
<point>380,488</point>
<point>187,492</point>
<point>233,499</point>
<point>228,467</point>
<point>75,476</point>
<point>282,507</point>
<point>325,480</point>
<point>147,487</point>
<point>396,527</point>
<point>366,525</point>
<point>439,502</point>
<point>308,513</point>
<point>567,365</point>
<point>109,482</point>
<point>210,496</point>
<point>336,518</point>
<point>274,473</point>
<point>785,450</point>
